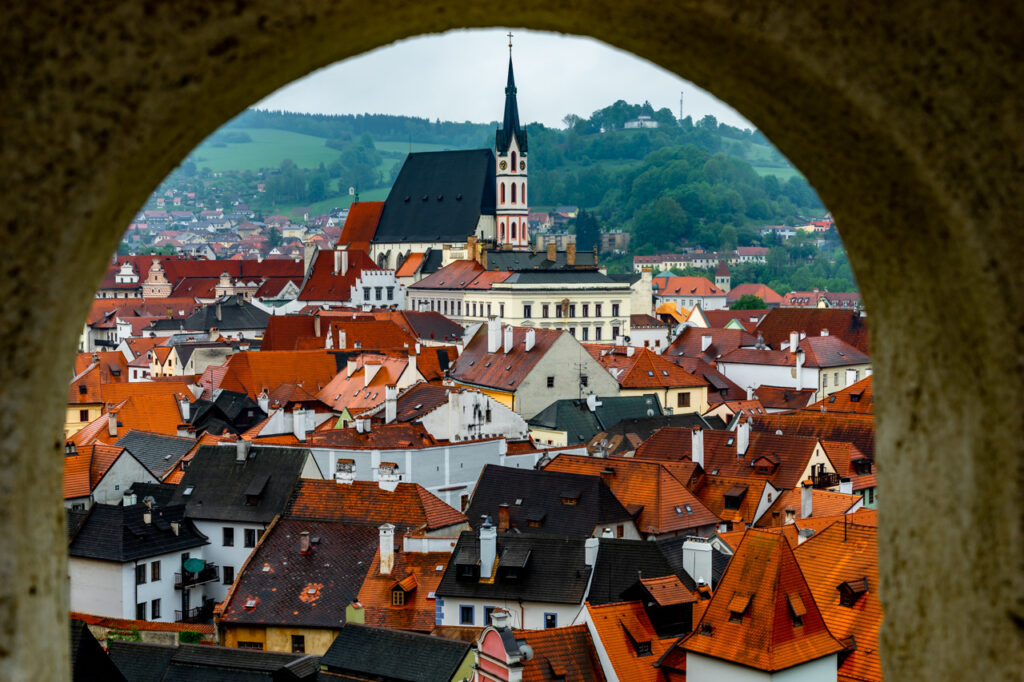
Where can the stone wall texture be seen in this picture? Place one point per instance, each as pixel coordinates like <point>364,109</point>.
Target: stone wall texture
<point>906,117</point>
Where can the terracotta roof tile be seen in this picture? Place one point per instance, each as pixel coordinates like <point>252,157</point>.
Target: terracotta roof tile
<point>762,291</point>
<point>325,284</point>
<point>618,626</point>
<point>723,341</point>
<point>685,286</point>
<point>361,224</point>
<point>504,371</point>
<point>417,575</point>
<point>252,372</point>
<point>668,590</point>
<point>645,369</point>
<point>410,265</point>
<point>369,334</point>
<point>783,397</point>
<point>364,502</point>
<point>857,398</point>
<point>283,332</point>
<point>561,653</point>
<point>858,429</point>
<point>846,324</point>
<point>824,503</point>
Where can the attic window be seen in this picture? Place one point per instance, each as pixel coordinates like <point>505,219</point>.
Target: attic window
<point>852,590</point>
<point>705,629</point>
<point>797,609</point>
<point>688,508</point>
<point>417,406</point>
<point>738,606</point>
<point>82,389</point>
<point>188,490</point>
<point>250,603</point>
<point>458,197</point>
<point>571,497</point>
<point>679,510</point>
<point>832,398</point>
<point>664,372</point>
<point>650,373</point>
<point>730,441</point>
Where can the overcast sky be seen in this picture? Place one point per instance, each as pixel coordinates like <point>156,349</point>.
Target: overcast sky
<point>460,76</point>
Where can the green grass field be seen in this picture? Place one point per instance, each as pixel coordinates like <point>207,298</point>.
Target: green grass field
<point>294,211</point>
<point>782,174</point>
<point>267,150</point>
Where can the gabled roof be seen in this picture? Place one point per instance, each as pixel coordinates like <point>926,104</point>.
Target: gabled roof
<point>770,297</point>
<point>427,325</point>
<point>788,454</point>
<point>824,503</point>
<point>253,372</point>
<point>561,654</point>
<point>830,351</point>
<point>581,424</point>
<point>410,505</point>
<point>380,654</point>
<point>662,500</point>
<point>845,324</point>
<point>624,438</point>
<point>230,313</point>
<point>324,283</point>
<point>459,274</point>
<point>783,397</point>
<point>438,196</point>
<point>354,391</point>
<point>723,341</point>
<point>618,626</point>
<point>858,429</point>
<point>420,571</point>
<point>89,662</point>
<point>713,490</point>
<point>255,491</point>
<point>556,571</point>
<point>368,334</point>
<point>83,472</point>
<point>145,662</point>
<point>620,563</point>
<point>118,533</point>
<point>685,286</point>
<point>284,332</point>
<point>544,495</point>
<point>500,370</point>
<point>410,265</point>
<point>645,369</point>
<point>856,398</point>
<point>764,590</point>
<point>156,451</point>
<point>360,225</point>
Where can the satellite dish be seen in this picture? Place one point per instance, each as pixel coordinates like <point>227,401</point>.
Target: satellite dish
<point>194,565</point>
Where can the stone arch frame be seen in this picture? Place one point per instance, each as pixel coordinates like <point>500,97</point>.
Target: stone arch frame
<point>907,123</point>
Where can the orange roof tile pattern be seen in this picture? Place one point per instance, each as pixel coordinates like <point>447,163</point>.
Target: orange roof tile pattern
<point>415,570</point>
<point>369,334</point>
<point>646,369</point>
<point>500,370</point>
<point>284,332</point>
<point>858,429</point>
<point>783,397</point>
<point>141,625</point>
<point>685,286</point>
<point>397,436</point>
<point>667,505</point>
<point>823,504</point>
<point>83,471</point>
<point>759,590</point>
<point>743,493</point>
<point>668,590</point>
<point>846,324</point>
<point>363,387</point>
<point>691,342</point>
<point>410,505</point>
<point>561,654</point>
<point>253,372</point>
<point>325,283</point>
<point>830,558</point>
<point>762,291</point>
<point>361,225</point>
<point>410,265</point>
<point>612,623</point>
<point>857,398</point>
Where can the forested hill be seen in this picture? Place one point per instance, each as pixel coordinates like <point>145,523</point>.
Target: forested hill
<point>681,183</point>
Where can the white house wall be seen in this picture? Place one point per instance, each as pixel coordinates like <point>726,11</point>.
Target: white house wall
<point>464,416</point>
<point>96,587</point>
<point>523,615</point>
<point>125,471</point>
<point>706,669</point>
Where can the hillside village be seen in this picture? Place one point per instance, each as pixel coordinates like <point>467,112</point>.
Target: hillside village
<point>632,481</point>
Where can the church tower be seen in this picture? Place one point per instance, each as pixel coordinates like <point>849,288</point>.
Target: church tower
<point>510,149</point>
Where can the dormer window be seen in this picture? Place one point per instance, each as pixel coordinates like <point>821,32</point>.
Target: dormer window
<point>738,606</point>
<point>851,591</point>
<point>797,610</point>
<point>734,497</point>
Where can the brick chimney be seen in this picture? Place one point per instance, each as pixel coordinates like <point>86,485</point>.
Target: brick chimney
<point>552,252</point>
<point>570,254</point>
<point>387,548</point>
<point>388,476</point>
<point>304,542</point>
<point>345,471</point>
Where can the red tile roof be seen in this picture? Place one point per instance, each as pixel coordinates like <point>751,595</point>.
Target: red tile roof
<point>410,505</point>
<point>765,584</point>
<point>141,625</point>
<point>410,265</point>
<point>500,370</point>
<point>783,397</point>
<point>720,387</point>
<point>396,436</point>
<point>747,318</point>
<point>82,472</point>
<point>618,626</point>
<point>857,398</point>
<point>361,225</point>
<point>368,334</point>
<point>645,369</point>
<point>762,291</point>
<point>252,372</point>
<point>723,341</point>
<point>561,654</point>
<point>685,286</point>
<point>858,429</point>
<point>830,351</point>
<point>357,392</point>
<point>283,332</point>
<point>823,504</point>
<point>324,284</point>
<point>846,324</point>
<point>415,570</point>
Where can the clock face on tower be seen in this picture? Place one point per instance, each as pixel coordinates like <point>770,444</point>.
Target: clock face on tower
<point>503,165</point>
<point>522,165</point>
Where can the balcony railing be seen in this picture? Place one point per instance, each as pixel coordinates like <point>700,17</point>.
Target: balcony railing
<point>189,579</point>
<point>825,480</point>
<point>200,614</point>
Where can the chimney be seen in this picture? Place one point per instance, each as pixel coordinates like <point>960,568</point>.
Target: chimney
<point>147,516</point>
<point>592,402</point>
<point>800,370</point>
<point>488,548</point>
<point>345,471</point>
<point>263,400</point>
<point>607,533</point>
<point>750,392</point>
<point>590,546</point>
<point>499,618</point>
<point>846,486</point>
<point>806,499</point>
<point>629,351</point>
<point>175,527</point>
<point>697,558</point>
<point>129,499</point>
<point>308,252</point>
<point>531,338</point>
<point>299,423</point>
<point>570,254</point>
<point>390,403</point>
<point>824,332</point>
<point>697,446</point>
<point>364,425</point>
<point>508,340</point>
<point>794,341</point>
<point>387,548</point>
<point>241,450</point>
<point>705,342</point>
<point>388,476</point>
<point>417,348</point>
<point>304,542</point>
<point>218,311</point>
<point>411,363</point>
<point>742,435</point>
<point>493,334</point>
<point>342,339</point>
<point>337,262</point>
<point>503,522</point>
<point>183,407</point>
<point>344,262</point>
<point>552,252</point>
<point>350,368</point>
<point>370,370</point>
<point>459,347</point>
<point>112,424</point>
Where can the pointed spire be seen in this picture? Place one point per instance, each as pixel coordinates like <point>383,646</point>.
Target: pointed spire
<point>510,124</point>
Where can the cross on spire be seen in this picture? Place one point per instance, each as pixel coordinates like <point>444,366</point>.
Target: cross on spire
<point>510,43</point>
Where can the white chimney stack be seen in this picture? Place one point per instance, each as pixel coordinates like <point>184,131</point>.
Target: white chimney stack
<point>742,435</point>
<point>344,262</point>
<point>337,262</point>
<point>345,471</point>
<point>263,400</point>
<point>592,402</point>
<point>697,559</point>
<point>388,476</point>
<point>508,340</point>
<point>299,423</point>
<point>184,407</point>
<point>794,341</point>
<point>499,618</point>
<point>824,332</point>
<point>241,450</point>
<point>806,499</point>
<point>750,392</point>
<point>531,339</point>
<point>488,548</point>
<point>705,342</point>
<point>629,351</point>
<point>697,446</point>
<point>590,547</point>
<point>800,370</point>
<point>112,424</point>
<point>390,403</point>
<point>846,486</point>
<point>350,367</point>
<point>387,548</point>
<point>493,334</point>
<point>607,533</point>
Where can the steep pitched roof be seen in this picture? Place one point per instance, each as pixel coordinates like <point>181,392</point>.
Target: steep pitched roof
<point>856,398</point>
<point>858,429</point>
<point>783,397</point>
<point>646,369</point>
<point>845,324</point>
<point>380,654</point>
<point>618,626</point>
<point>145,662</point>
<point>620,563</point>
<point>685,286</point>
<point>723,341</point>
<point>410,505</point>
<point>713,490</point>
<point>89,663</point>
<point>830,351</point>
<point>438,196</point>
<point>500,370</point>
<point>284,332</point>
<point>327,284</point>
<point>581,424</point>
<point>561,654</point>
<point>251,372</point>
<point>663,501</point>
<point>361,225</point>
<point>765,591</point>
<point>418,574</point>
<point>119,533</point>
<point>824,503</point>
<point>158,452</point>
<point>770,297</point>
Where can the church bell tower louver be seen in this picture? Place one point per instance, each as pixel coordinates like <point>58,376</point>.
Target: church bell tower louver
<point>512,214</point>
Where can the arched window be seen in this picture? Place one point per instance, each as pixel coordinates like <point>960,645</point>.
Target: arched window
<point>514,163</point>
<point>513,230</point>
<point>501,231</point>
<point>513,192</point>
<point>503,192</point>
<point>522,195</point>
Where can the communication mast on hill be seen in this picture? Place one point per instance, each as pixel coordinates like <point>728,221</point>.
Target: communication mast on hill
<point>680,105</point>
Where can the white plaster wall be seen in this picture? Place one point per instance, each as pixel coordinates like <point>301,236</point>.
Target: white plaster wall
<point>464,416</point>
<point>705,669</point>
<point>217,553</point>
<point>374,279</point>
<point>125,471</point>
<point>163,589</point>
<point>533,394</point>
<point>96,587</point>
<point>525,615</point>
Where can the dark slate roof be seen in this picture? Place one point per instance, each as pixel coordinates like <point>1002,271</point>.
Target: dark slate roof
<point>334,569</point>
<point>629,433</point>
<point>379,653</point>
<point>580,423</point>
<point>438,196</point>
<point>527,260</point>
<point>74,520</point>
<point>555,571</point>
<point>620,563</point>
<point>672,549</point>
<point>431,325</point>
<point>231,313</point>
<point>627,277</point>
<point>89,663</point>
<point>157,452</point>
<point>432,261</point>
<point>220,484</point>
<point>143,662</point>
<point>116,533</point>
<point>538,494</point>
<point>510,127</point>
<point>162,493</point>
<point>528,277</point>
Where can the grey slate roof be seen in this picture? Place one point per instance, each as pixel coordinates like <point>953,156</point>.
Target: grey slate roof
<point>89,663</point>
<point>143,662</point>
<point>580,424</point>
<point>117,533</point>
<point>538,494</point>
<point>672,549</point>
<point>555,571</point>
<point>231,313</point>
<point>527,260</point>
<point>160,492</point>
<point>157,452</point>
<point>379,653</point>
<point>219,483</point>
<point>630,432</point>
<point>438,196</point>
<point>620,563</point>
<point>528,277</point>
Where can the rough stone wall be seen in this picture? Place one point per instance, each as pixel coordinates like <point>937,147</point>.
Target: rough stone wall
<point>906,118</point>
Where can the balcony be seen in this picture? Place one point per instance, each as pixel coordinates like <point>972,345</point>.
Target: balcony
<point>200,614</point>
<point>825,479</point>
<point>207,574</point>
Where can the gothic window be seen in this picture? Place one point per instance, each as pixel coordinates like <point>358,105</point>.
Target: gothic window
<point>501,230</point>
<point>513,227</point>
<point>513,167</point>
<point>523,193</point>
<point>503,192</point>
<point>513,192</point>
